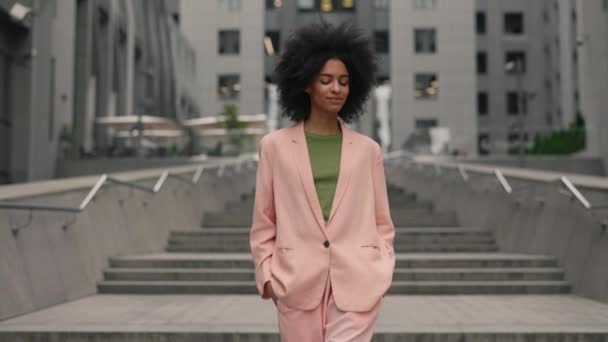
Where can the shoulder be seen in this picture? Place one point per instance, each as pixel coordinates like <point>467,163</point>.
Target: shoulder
<point>276,136</point>
<point>366,143</point>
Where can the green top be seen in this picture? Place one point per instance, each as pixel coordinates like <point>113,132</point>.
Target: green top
<point>324,152</point>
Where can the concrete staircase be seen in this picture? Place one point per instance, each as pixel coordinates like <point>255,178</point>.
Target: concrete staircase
<point>434,256</point>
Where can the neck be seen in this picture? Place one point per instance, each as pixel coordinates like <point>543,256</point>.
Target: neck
<point>322,123</point>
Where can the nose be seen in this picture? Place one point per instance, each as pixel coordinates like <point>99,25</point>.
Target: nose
<point>335,87</point>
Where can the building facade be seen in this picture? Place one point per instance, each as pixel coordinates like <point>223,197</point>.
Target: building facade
<point>433,71</point>
<point>227,36</point>
<point>66,63</point>
<point>592,43</point>
<point>36,60</point>
<point>527,71</point>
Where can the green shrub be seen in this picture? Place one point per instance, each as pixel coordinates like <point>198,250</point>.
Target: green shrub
<point>566,141</point>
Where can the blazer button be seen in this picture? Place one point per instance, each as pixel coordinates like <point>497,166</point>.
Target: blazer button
<point>326,244</point>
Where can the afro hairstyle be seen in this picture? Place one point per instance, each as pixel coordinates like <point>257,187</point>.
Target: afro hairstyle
<point>306,52</point>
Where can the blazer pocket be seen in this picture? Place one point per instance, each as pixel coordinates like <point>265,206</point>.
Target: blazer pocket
<point>284,250</point>
<point>371,247</point>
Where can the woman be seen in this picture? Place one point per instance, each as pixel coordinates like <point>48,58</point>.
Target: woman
<point>322,235</point>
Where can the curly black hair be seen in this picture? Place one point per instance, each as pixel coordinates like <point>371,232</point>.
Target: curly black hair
<point>306,52</point>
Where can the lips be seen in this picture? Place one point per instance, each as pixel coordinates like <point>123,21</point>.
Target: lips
<point>335,99</point>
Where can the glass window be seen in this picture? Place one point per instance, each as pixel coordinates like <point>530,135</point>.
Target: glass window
<point>518,58</point>
<point>272,42</point>
<point>425,123</point>
<point>229,42</point>
<point>483,143</point>
<point>482,63</point>
<point>306,5</point>
<point>482,103</point>
<point>425,40</point>
<point>326,5</point>
<point>514,23</point>
<point>381,41</point>
<point>381,4</point>
<point>513,103</point>
<point>424,4</point>
<point>274,4</point>
<point>426,86</point>
<point>229,86</point>
<point>480,22</point>
<point>230,5</point>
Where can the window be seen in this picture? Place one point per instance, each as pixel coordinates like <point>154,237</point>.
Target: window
<point>228,86</point>
<point>272,42</point>
<point>480,22</point>
<point>229,42</point>
<point>230,5</point>
<point>381,4</point>
<point>425,40</point>
<point>426,86</point>
<point>306,5</point>
<point>514,23</point>
<point>518,58</point>
<point>326,5</point>
<point>483,144</point>
<point>424,4</point>
<point>52,99</point>
<point>482,103</point>
<point>274,4</point>
<point>515,142</point>
<point>482,63</point>
<point>425,123</point>
<point>513,103</point>
<point>381,41</point>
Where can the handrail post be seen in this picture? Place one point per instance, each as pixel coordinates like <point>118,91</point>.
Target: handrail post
<point>93,191</point>
<point>463,173</point>
<point>575,192</point>
<point>503,181</point>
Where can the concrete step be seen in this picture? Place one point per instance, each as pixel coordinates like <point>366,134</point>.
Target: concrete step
<point>404,274</point>
<point>243,231</point>
<point>175,274</point>
<point>246,208</point>
<point>231,318</point>
<point>479,287</point>
<point>398,287</point>
<point>399,240</point>
<point>402,217</point>
<point>212,247</point>
<point>403,260</point>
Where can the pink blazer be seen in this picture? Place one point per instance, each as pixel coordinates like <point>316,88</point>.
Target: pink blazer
<point>295,250</point>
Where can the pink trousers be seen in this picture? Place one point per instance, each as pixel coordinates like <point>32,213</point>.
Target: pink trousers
<point>326,323</point>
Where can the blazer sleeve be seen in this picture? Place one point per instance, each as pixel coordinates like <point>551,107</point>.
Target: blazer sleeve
<point>384,223</point>
<point>263,228</point>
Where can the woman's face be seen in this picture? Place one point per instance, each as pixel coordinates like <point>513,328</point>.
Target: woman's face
<point>329,89</point>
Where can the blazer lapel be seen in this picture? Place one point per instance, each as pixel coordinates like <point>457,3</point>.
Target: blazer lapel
<point>302,161</point>
<point>346,167</point>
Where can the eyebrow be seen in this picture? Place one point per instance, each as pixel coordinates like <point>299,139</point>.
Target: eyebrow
<point>330,75</point>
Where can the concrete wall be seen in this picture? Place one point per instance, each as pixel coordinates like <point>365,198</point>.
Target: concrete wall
<point>535,219</point>
<point>201,21</point>
<point>45,265</point>
<point>593,73</point>
<point>453,63</point>
<point>583,165</point>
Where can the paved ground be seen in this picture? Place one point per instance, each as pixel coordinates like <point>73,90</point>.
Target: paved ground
<point>406,314</point>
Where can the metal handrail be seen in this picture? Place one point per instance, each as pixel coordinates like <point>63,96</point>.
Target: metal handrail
<point>100,182</point>
<point>572,189</point>
<point>78,209</point>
